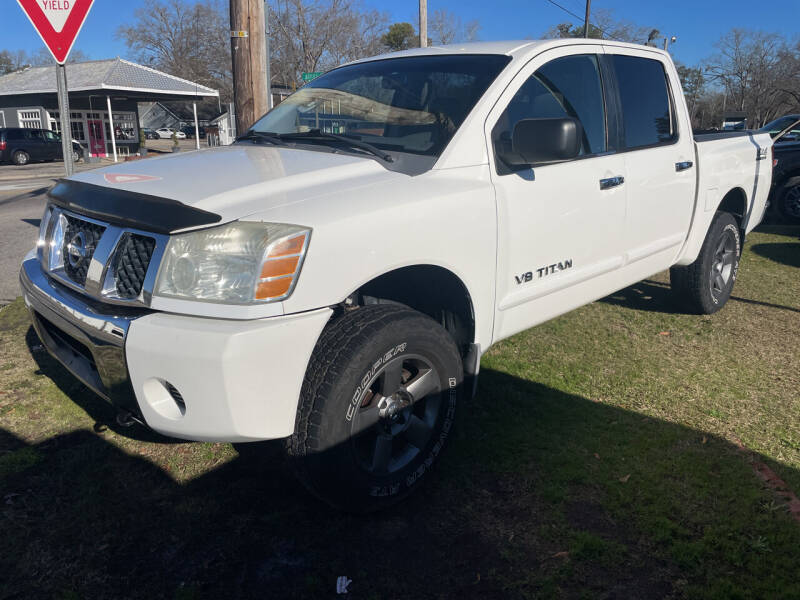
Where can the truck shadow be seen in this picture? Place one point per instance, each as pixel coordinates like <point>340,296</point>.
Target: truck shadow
<point>654,296</point>
<point>646,295</point>
<point>785,253</point>
<point>525,476</point>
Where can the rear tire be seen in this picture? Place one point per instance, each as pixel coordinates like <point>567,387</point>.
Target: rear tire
<point>376,407</point>
<point>705,285</point>
<point>21,158</point>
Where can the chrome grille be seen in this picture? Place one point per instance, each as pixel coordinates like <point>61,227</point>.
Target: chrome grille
<point>110,263</point>
<point>80,240</point>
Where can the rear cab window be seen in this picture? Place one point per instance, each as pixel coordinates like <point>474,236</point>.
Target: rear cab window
<point>648,114</point>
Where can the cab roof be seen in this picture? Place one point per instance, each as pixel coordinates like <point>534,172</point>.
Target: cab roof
<point>513,48</point>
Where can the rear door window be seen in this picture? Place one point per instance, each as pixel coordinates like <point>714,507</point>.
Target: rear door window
<point>565,87</point>
<point>647,114</point>
<point>16,135</point>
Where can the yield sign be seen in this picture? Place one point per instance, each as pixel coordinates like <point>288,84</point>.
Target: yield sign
<point>58,22</point>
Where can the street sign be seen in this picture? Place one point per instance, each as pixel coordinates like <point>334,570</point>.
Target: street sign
<point>57,22</point>
<point>310,76</point>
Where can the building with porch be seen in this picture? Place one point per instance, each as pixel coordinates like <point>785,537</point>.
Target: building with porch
<point>104,97</point>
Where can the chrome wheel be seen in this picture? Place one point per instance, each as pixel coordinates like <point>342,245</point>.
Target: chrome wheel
<point>722,264</point>
<point>396,415</point>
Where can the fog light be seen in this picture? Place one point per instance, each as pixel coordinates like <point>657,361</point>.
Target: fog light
<point>164,398</point>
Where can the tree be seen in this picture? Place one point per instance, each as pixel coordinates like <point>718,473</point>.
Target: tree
<point>445,27</point>
<point>401,36</point>
<point>603,25</point>
<point>693,83</point>
<point>42,57</point>
<point>188,39</point>
<point>8,63</point>
<point>757,72</point>
<point>11,61</point>
<point>789,74</point>
<point>316,35</point>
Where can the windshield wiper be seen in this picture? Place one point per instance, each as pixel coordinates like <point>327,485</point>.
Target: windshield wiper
<point>263,136</point>
<point>317,135</point>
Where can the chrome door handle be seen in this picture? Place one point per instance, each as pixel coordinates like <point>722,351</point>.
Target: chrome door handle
<point>611,182</point>
<point>682,166</point>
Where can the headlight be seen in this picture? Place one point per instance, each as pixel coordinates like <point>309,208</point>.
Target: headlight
<point>239,263</point>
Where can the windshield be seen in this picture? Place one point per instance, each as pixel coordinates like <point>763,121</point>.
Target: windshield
<point>408,105</point>
<point>775,127</point>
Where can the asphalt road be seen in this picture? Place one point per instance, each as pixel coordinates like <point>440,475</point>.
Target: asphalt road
<point>20,213</point>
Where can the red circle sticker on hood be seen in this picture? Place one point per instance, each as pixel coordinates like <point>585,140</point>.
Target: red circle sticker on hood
<point>127,177</point>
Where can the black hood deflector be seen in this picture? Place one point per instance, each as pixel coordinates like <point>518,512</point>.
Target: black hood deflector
<point>130,209</point>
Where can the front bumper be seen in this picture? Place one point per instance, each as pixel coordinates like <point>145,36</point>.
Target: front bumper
<point>188,377</point>
<point>90,344</point>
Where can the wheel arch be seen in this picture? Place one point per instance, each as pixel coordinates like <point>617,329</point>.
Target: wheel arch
<point>735,203</point>
<point>430,289</point>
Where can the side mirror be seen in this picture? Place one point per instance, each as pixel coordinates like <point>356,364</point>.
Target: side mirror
<point>537,141</point>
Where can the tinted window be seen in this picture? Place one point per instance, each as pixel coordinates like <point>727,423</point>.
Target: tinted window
<point>646,112</point>
<point>778,125</point>
<point>16,134</point>
<point>564,87</point>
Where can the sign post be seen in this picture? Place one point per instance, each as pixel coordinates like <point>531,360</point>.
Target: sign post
<point>58,24</point>
<point>63,115</point>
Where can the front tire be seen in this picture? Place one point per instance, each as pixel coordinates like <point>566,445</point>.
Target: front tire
<point>705,285</point>
<point>376,407</point>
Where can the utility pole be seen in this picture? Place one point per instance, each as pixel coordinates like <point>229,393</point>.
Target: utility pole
<point>586,19</point>
<point>248,52</point>
<point>423,23</point>
<point>266,45</point>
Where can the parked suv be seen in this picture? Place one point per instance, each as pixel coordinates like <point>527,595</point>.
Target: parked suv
<point>22,146</point>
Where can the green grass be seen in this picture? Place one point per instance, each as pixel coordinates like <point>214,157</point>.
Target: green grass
<point>599,460</point>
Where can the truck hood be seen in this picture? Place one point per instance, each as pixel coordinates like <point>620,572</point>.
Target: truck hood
<point>243,179</point>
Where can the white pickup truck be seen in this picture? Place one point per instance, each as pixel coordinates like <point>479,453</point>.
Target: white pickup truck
<point>334,276</point>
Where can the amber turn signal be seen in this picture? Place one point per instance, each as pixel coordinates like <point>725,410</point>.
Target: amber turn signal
<point>281,266</point>
<point>278,267</point>
<point>273,288</point>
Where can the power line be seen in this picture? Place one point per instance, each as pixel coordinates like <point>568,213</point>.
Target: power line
<point>569,12</point>
<point>566,10</point>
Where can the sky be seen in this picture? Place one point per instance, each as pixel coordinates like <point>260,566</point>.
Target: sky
<point>697,24</point>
